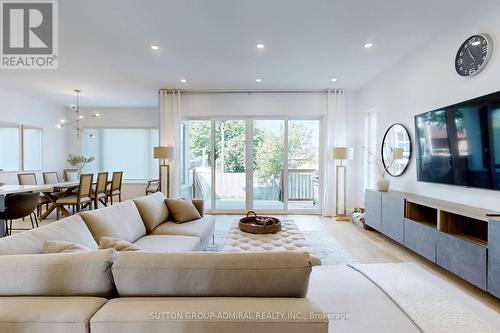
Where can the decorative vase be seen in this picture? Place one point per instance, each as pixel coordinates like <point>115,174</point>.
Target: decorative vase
<point>383,184</point>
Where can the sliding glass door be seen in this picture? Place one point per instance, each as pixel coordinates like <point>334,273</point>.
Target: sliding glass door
<point>196,160</point>
<point>303,164</point>
<point>230,164</point>
<point>262,164</point>
<point>268,164</point>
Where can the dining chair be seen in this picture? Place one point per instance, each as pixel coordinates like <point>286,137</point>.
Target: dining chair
<point>27,178</point>
<point>81,199</point>
<point>153,186</point>
<point>50,177</point>
<point>30,179</point>
<point>20,205</point>
<point>70,175</point>
<point>99,194</point>
<point>116,187</point>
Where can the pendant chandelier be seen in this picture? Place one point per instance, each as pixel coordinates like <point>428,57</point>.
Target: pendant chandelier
<point>79,116</point>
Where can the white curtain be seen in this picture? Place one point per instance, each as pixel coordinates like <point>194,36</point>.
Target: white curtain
<point>335,135</point>
<point>170,126</point>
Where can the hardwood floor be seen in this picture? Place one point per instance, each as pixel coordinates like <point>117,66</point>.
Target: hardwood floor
<point>372,247</point>
<point>369,247</point>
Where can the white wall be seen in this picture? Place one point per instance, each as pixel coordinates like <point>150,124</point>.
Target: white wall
<point>425,81</point>
<point>111,117</point>
<point>354,131</point>
<point>122,117</point>
<point>20,109</point>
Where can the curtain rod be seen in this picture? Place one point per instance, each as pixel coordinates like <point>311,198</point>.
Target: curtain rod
<point>250,91</point>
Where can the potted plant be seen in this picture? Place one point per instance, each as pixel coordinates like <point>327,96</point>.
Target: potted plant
<point>79,161</point>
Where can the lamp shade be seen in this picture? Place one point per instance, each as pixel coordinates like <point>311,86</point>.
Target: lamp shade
<point>342,153</point>
<point>163,152</point>
<point>398,153</point>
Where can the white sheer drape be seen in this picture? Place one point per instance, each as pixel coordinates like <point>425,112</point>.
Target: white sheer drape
<point>335,135</point>
<point>170,126</point>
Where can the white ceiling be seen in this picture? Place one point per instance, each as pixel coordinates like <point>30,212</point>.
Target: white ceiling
<point>105,45</point>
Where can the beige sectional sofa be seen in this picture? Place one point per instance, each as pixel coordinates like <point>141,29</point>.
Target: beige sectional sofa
<point>102,291</point>
<point>157,292</point>
<point>143,221</point>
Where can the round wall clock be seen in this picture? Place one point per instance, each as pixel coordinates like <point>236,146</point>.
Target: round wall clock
<point>473,55</point>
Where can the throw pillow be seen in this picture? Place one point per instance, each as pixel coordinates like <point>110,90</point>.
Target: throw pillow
<point>119,245</point>
<point>152,209</point>
<point>182,210</point>
<point>53,246</point>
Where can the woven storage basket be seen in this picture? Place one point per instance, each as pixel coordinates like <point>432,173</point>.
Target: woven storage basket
<point>259,224</point>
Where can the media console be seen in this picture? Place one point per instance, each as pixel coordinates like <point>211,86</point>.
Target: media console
<point>463,240</point>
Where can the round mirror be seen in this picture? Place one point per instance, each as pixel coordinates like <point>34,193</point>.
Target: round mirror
<point>396,150</point>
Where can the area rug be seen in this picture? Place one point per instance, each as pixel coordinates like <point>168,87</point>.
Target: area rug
<point>324,246</point>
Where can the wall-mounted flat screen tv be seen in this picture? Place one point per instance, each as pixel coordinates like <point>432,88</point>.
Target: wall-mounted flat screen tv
<point>460,144</point>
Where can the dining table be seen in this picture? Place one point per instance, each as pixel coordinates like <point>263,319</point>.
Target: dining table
<point>58,191</point>
<point>50,191</point>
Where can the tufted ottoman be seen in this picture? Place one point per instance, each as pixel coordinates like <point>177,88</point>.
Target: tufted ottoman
<point>288,239</point>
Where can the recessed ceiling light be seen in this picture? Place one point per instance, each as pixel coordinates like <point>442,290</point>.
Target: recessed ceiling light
<point>259,45</point>
<point>155,47</point>
<point>184,80</point>
<point>333,79</point>
<point>258,80</point>
<point>368,45</point>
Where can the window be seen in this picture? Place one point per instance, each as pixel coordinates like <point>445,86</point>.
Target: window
<point>32,149</point>
<point>118,149</point>
<point>17,154</point>
<point>370,145</point>
<point>10,152</point>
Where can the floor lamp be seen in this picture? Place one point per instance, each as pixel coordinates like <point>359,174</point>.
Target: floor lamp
<point>341,154</point>
<point>163,154</point>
